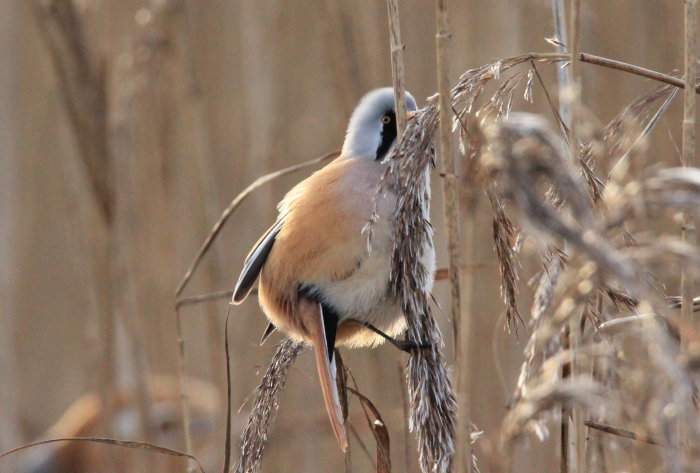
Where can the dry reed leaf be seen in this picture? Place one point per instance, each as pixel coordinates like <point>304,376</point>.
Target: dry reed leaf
<point>379,430</point>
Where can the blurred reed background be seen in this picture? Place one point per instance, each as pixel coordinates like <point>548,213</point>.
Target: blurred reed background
<point>201,98</point>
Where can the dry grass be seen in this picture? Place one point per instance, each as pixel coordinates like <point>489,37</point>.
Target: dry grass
<point>608,228</point>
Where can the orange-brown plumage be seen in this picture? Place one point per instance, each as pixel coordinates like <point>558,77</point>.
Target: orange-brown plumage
<point>324,280</point>
<point>321,242</point>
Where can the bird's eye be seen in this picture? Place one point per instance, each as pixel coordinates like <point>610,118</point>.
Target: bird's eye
<point>386,119</point>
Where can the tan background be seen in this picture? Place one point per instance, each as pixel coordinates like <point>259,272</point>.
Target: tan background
<point>203,100</point>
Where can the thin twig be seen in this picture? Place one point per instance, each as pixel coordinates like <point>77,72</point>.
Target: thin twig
<point>184,392</point>
<point>234,205</point>
<point>625,433</point>
<point>651,124</point>
<point>574,328</point>
<point>563,73</point>
<point>203,298</point>
<point>362,445</point>
<point>460,324</point>
<point>397,67</point>
<point>404,407</point>
<point>108,441</point>
<point>557,112</point>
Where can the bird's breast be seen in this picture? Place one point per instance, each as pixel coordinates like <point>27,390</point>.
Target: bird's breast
<point>337,241</point>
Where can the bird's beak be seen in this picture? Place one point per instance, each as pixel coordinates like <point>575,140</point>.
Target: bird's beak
<point>410,115</point>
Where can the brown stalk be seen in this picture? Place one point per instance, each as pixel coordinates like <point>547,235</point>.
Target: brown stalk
<point>564,79</point>
<point>688,148</point>
<point>688,233</point>
<point>615,64</point>
<point>185,301</point>
<point>574,328</point>
<point>563,73</point>
<point>620,432</point>
<point>184,391</point>
<point>460,322</point>
<point>637,70</point>
<point>397,66</point>
<point>404,423</point>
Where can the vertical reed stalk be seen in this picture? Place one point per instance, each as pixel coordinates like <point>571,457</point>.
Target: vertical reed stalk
<point>563,73</point>
<point>688,159</point>
<point>576,431</point>
<point>397,68</point>
<point>460,324</point>
<point>688,151</point>
<point>564,79</point>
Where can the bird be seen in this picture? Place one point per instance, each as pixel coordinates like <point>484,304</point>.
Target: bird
<point>321,281</point>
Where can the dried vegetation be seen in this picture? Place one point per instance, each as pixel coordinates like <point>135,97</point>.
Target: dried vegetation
<point>609,229</point>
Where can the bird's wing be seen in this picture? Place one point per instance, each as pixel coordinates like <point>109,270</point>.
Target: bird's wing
<point>255,261</point>
<point>322,329</point>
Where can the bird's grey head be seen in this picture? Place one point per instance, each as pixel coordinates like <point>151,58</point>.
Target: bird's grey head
<point>372,129</point>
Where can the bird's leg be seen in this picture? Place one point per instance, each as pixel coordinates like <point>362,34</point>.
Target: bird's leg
<point>404,345</point>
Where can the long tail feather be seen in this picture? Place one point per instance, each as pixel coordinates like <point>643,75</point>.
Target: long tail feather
<point>325,363</point>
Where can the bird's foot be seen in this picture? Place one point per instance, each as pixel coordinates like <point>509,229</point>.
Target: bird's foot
<point>409,345</point>
<point>404,345</point>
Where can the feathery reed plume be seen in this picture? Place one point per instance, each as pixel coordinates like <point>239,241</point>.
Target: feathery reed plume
<point>429,388</point>
<point>506,240</point>
<point>265,405</point>
<point>532,159</point>
<point>555,200</point>
<point>431,397</point>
